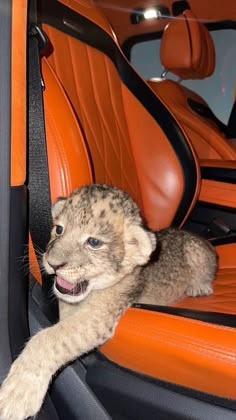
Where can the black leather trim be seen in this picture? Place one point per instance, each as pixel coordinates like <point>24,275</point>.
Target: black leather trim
<point>225,240</point>
<point>219,174</point>
<point>206,112</point>
<point>205,316</point>
<point>66,20</point>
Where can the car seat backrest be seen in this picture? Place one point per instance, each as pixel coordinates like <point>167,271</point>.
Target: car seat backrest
<point>133,140</point>
<point>187,50</point>
<point>206,136</point>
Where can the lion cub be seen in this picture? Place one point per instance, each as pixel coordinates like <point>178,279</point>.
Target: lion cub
<point>104,259</point>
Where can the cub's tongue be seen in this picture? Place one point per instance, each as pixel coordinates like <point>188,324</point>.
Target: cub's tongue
<point>65,284</point>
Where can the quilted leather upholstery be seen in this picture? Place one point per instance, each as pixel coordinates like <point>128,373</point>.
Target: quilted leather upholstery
<point>88,78</point>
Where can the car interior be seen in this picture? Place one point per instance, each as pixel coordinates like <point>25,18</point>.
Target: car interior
<point>75,111</point>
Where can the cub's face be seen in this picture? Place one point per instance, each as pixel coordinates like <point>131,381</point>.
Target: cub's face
<point>97,239</point>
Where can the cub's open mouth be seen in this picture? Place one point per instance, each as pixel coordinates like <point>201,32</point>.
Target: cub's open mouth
<point>63,286</point>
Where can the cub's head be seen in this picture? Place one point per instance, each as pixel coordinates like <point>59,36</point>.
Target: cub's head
<point>97,239</point>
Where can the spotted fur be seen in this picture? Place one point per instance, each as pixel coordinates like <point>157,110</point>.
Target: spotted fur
<point>104,259</point>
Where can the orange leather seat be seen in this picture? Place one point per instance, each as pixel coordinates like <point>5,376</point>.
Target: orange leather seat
<point>187,50</point>
<point>132,146</point>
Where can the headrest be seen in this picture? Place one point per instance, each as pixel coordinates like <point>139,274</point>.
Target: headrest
<point>187,49</point>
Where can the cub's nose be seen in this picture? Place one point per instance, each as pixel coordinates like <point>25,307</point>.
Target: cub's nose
<point>56,267</point>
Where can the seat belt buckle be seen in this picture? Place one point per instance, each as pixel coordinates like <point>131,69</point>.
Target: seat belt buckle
<point>43,42</point>
<point>39,34</point>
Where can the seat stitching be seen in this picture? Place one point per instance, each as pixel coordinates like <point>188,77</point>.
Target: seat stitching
<point>155,334</point>
<point>198,349</point>
<point>101,120</point>
<point>119,127</point>
<point>85,118</point>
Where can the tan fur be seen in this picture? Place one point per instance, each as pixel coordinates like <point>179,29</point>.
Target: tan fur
<point>118,273</point>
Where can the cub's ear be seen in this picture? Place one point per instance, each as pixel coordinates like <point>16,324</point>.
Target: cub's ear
<point>57,207</point>
<point>139,244</point>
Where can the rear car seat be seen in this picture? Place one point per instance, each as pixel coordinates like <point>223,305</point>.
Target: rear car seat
<point>134,146</point>
<point>187,50</point>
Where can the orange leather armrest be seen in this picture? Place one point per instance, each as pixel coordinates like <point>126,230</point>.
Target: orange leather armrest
<point>218,182</point>
<point>175,349</point>
<point>218,192</point>
<point>226,254</point>
<point>215,163</point>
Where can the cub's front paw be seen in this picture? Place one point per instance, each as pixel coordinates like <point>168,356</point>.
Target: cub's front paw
<point>21,394</point>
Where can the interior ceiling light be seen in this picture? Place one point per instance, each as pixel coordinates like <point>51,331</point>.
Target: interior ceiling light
<point>157,12</point>
<point>151,14</point>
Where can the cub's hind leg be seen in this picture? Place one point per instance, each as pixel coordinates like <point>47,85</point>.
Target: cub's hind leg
<point>202,262</point>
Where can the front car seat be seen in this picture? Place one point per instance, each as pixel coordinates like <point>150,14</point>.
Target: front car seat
<point>119,113</point>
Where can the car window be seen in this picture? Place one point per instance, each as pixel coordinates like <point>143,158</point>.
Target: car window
<point>217,90</point>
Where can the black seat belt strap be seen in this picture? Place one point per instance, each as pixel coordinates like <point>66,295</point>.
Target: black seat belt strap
<point>38,176</point>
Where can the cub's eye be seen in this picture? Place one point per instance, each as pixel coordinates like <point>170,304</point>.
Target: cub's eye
<point>59,230</point>
<point>94,243</point>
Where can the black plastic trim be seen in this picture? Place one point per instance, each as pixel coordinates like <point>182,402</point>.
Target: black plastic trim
<point>221,24</point>
<point>217,318</point>
<point>219,174</point>
<point>204,214</point>
<point>214,206</point>
<point>5,141</point>
<point>179,6</point>
<point>81,28</point>
<point>129,395</point>
<point>225,240</point>
<point>18,271</point>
